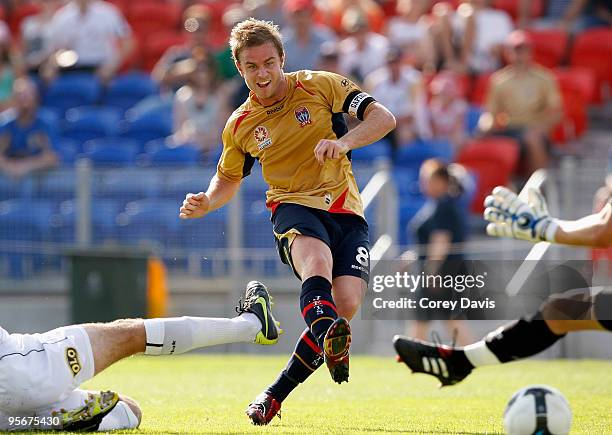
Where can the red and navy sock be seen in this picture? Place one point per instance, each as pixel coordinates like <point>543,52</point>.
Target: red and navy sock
<point>306,359</point>
<point>317,305</point>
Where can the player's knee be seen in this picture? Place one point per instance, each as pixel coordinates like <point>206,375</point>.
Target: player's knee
<point>347,303</point>
<point>317,264</point>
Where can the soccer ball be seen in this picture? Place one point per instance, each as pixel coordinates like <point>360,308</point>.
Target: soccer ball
<point>537,409</point>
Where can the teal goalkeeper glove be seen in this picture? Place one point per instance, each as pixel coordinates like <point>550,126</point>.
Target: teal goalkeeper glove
<point>510,216</point>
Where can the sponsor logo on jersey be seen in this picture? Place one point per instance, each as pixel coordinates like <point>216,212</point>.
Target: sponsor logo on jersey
<point>328,198</point>
<point>276,109</point>
<point>356,102</point>
<point>303,116</point>
<point>262,136</point>
<point>72,358</point>
<point>345,82</point>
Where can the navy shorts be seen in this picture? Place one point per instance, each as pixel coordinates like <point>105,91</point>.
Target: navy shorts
<point>345,234</point>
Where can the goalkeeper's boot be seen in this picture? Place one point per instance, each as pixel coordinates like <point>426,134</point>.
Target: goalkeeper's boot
<point>258,301</point>
<point>446,363</point>
<point>88,417</point>
<point>263,409</point>
<point>336,345</point>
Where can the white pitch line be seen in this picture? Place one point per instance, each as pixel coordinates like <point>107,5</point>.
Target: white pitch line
<point>538,250</point>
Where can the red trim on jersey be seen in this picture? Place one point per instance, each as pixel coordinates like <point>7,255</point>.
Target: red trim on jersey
<point>272,205</point>
<point>310,343</point>
<point>316,303</point>
<point>240,119</point>
<point>338,205</point>
<point>300,85</point>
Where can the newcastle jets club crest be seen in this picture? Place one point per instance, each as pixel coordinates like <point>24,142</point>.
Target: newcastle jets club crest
<point>262,136</point>
<point>303,116</point>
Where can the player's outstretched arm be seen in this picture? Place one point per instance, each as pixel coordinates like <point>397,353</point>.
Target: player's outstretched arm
<point>377,122</point>
<point>510,216</point>
<point>197,205</point>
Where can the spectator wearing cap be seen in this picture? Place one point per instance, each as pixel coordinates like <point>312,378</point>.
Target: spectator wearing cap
<point>363,51</point>
<point>479,33</point>
<point>302,37</point>
<point>25,139</point>
<point>173,68</point>
<point>447,110</point>
<point>523,102</point>
<point>88,35</point>
<point>399,87</point>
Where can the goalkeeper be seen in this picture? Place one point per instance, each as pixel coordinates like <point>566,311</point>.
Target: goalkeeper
<point>510,216</point>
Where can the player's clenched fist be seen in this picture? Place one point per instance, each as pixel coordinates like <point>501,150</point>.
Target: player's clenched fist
<point>195,206</point>
<point>329,149</point>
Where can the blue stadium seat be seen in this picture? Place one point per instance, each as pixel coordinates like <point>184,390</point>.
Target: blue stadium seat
<point>11,188</point>
<point>67,150</point>
<point>257,229</point>
<point>128,89</point>
<point>148,125</point>
<point>103,221</point>
<point>57,185</point>
<point>128,185</point>
<point>183,155</point>
<point>380,149</point>
<point>180,183</point>
<point>110,153</point>
<point>415,153</point>
<point>72,90</point>
<point>23,219</point>
<point>148,221</point>
<point>91,122</point>
<point>208,233</point>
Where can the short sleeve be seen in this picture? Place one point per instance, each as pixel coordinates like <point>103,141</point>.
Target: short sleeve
<point>234,163</point>
<point>343,95</point>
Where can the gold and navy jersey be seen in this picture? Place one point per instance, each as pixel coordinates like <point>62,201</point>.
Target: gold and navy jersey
<point>283,137</point>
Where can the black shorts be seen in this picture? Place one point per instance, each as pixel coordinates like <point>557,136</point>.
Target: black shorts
<point>345,234</point>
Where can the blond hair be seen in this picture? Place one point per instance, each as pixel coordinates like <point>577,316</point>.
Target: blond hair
<point>253,33</point>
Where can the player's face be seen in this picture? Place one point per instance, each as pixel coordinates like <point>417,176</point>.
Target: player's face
<point>262,70</point>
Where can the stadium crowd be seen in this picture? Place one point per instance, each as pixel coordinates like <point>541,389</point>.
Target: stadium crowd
<point>495,85</point>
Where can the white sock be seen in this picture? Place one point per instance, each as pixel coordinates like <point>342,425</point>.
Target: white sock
<point>480,355</point>
<point>121,417</point>
<point>178,335</point>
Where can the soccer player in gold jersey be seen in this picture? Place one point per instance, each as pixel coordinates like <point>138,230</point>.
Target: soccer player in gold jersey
<point>293,124</point>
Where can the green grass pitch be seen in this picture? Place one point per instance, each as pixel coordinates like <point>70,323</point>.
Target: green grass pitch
<point>208,394</point>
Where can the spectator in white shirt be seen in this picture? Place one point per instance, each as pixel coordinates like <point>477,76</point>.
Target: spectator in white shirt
<point>35,32</point>
<point>399,87</point>
<point>363,51</point>
<point>410,30</point>
<point>480,32</point>
<point>89,35</point>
